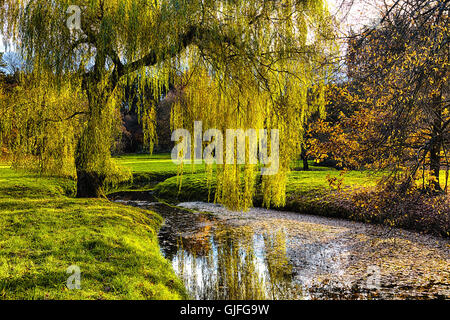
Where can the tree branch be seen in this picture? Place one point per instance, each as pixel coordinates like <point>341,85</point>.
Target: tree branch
<point>65,119</point>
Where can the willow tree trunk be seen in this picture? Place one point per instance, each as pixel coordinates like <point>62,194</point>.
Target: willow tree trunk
<point>89,184</point>
<point>89,180</point>
<point>93,149</point>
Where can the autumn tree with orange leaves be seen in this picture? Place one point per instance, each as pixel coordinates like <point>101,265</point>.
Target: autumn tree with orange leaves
<point>398,87</point>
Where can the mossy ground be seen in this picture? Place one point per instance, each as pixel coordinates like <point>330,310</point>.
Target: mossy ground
<point>43,231</point>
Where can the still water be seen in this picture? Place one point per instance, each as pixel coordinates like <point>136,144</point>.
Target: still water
<point>266,254</point>
<point>219,261</point>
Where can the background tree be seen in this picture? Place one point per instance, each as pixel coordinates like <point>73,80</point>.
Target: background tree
<point>259,54</point>
<point>399,75</point>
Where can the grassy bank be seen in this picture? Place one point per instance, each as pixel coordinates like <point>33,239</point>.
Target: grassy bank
<point>149,170</point>
<point>321,191</point>
<point>158,172</point>
<point>43,231</point>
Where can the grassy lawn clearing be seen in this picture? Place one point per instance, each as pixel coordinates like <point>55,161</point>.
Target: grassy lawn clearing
<point>194,179</point>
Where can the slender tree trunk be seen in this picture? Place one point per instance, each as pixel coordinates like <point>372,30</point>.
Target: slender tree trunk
<point>435,148</point>
<point>435,163</point>
<point>304,157</point>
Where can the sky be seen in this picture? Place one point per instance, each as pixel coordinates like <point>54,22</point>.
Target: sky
<point>354,14</point>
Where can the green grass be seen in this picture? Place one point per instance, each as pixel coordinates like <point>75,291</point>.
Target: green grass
<point>149,170</point>
<point>307,181</point>
<point>43,232</point>
<point>194,187</point>
<point>158,172</point>
<point>161,164</point>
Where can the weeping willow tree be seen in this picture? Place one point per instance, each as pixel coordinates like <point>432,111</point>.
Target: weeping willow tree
<point>244,64</point>
<point>36,127</point>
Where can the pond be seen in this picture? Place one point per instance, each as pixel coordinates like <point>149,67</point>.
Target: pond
<point>267,254</point>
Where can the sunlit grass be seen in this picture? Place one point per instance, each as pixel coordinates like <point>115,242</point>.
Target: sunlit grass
<point>43,232</point>
<point>160,168</point>
<point>194,181</point>
<point>156,163</point>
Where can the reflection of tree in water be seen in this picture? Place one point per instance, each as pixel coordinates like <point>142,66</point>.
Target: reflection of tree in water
<point>279,268</point>
<point>198,241</point>
<point>238,276</point>
<point>195,231</point>
<point>241,265</point>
